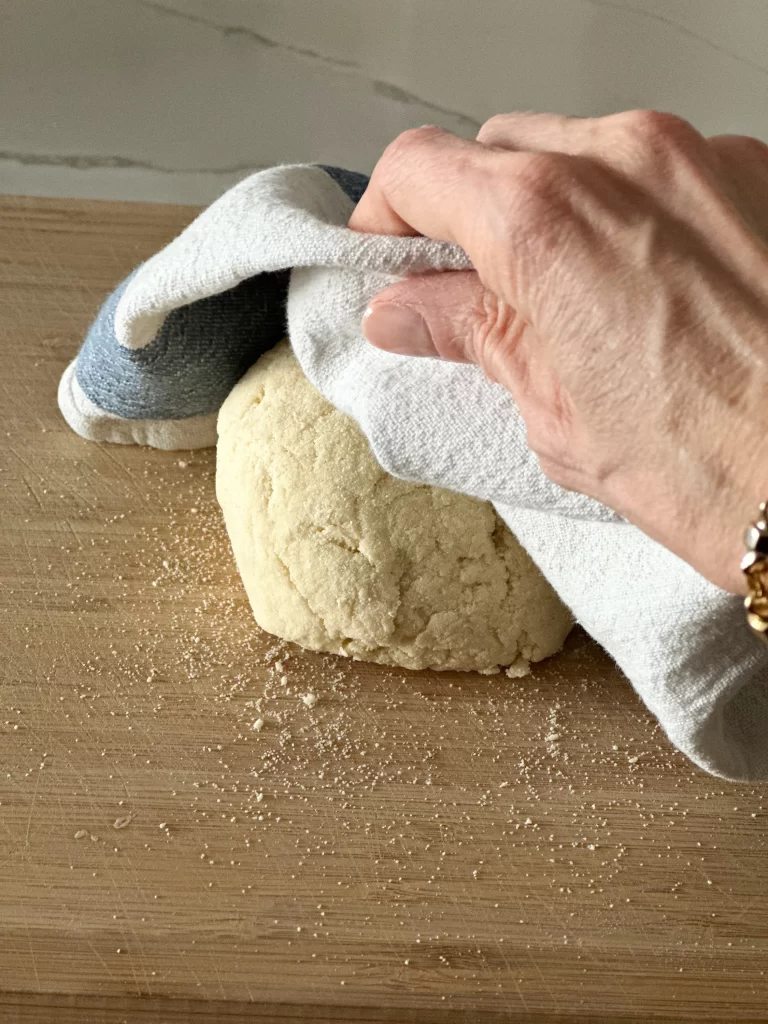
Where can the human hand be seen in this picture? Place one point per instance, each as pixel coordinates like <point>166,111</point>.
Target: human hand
<point>620,293</point>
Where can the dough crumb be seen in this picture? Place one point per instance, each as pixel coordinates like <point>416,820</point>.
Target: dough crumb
<point>518,669</point>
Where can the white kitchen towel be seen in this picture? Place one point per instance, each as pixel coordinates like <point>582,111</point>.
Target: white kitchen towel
<point>173,339</point>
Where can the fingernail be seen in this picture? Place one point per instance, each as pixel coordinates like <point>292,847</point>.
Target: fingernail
<point>398,329</point>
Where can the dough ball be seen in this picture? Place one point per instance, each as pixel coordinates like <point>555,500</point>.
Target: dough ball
<point>337,555</point>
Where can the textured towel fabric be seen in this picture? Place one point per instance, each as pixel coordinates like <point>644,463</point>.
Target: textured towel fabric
<point>174,338</point>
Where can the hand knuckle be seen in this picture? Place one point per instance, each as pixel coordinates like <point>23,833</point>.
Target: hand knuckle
<point>413,138</point>
<point>654,125</point>
<point>735,146</point>
<point>649,145</point>
<point>651,139</point>
<point>394,163</point>
<point>537,204</point>
<point>539,181</point>
<point>546,170</point>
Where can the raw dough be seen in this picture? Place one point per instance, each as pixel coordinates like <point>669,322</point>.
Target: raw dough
<point>337,555</point>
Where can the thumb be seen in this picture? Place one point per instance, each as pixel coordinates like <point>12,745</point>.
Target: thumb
<point>435,314</point>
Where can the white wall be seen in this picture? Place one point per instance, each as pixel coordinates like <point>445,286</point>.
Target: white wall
<point>177,99</point>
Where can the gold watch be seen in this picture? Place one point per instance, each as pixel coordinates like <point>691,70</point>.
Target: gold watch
<point>754,565</point>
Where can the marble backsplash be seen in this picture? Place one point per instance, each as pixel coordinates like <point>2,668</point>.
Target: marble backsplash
<point>175,100</point>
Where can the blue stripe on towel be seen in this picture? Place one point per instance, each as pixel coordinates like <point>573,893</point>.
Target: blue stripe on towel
<point>201,350</point>
<point>199,354</point>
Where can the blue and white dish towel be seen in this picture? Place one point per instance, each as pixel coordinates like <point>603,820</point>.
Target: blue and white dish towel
<point>274,256</point>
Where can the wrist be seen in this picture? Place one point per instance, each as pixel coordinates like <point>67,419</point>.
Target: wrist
<point>737,536</point>
<point>739,489</point>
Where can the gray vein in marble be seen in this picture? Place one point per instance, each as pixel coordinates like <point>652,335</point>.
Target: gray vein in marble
<point>87,162</point>
<point>249,33</point>
<point>379,86</point>
<point>676,26</point>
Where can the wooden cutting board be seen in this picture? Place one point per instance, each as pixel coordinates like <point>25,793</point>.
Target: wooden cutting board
<point>412,847</point>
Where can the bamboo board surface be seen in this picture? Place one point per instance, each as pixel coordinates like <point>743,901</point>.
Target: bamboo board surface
<point>414,847</point>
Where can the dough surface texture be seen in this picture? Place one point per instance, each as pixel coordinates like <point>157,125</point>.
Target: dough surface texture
<point>337,555</point>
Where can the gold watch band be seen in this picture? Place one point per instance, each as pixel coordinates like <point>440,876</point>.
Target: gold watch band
<point>754,565</point>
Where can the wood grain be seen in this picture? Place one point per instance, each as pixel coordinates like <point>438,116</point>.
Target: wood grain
<point>415,847</point>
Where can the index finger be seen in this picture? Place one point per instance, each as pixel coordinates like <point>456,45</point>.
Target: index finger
<point>425,184</point>
<point>510,211</point>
